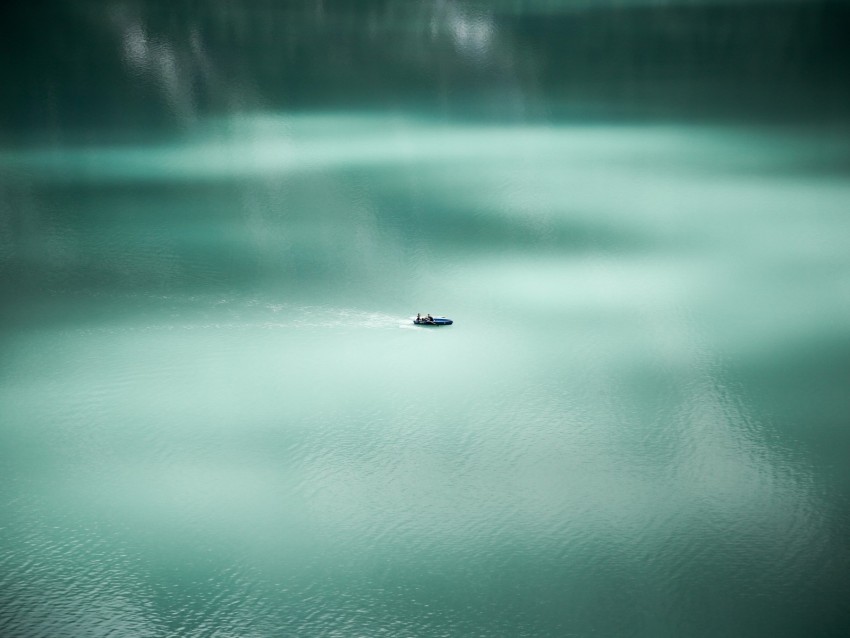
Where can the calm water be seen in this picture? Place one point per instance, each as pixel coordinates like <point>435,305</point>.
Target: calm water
<point>216,223</point>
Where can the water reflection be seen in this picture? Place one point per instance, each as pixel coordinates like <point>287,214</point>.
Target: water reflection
<point>217,220</point>
<point>744,221</point>
<point>162,68</point>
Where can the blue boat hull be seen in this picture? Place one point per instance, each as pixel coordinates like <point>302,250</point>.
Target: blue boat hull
<point>436,321</point>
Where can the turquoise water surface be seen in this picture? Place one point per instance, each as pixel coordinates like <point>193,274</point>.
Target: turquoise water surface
<point>217,418</point>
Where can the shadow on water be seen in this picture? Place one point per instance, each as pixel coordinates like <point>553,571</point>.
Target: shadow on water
<point>166,68</point>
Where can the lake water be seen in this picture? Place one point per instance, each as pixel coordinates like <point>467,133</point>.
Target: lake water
<point>217,222</point>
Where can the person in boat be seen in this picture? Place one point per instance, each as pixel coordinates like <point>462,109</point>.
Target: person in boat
<point>429,319</point>
<point>418,317</point>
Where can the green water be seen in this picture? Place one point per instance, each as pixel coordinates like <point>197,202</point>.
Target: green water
<point>217,222</point>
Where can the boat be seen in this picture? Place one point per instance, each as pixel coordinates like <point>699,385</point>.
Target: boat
<point>433,321</point>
